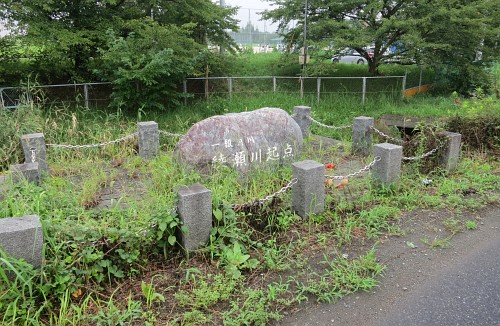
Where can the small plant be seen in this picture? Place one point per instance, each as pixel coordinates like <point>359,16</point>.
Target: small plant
<point>150,294</point>
<point>207,291</point>
<point>471,225</point>
<point>453,226</point>
<point>437,243</point>
<point>235,260</point>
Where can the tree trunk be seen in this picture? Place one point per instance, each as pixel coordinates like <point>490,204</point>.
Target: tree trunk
<point>373,67</point>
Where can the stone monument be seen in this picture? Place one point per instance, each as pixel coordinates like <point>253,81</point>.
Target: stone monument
<point>260,138</point>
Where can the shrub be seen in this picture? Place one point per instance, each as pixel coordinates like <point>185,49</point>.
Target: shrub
<point>479,123</point>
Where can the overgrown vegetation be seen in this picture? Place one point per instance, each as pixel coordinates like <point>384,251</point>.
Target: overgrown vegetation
<point>120,262</point>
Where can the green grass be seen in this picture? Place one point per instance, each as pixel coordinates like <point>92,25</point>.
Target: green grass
<point>115,265</point>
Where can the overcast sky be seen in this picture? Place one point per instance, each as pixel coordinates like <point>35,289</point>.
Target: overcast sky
<point>249,9</point>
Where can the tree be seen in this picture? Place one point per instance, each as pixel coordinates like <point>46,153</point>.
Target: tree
<point>396,29</point>
<point>146,66</point>
<point>71,32</point>
<point>461,40</point>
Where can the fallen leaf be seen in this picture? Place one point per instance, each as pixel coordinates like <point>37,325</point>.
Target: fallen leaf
<point>342,184</point>
<point>77,293</point>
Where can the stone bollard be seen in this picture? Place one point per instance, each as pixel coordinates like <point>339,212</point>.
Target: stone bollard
<point>35,151</point>
<point>308,194</point>
<point>22,237</point>
<point>195,211</point>
<point>451,151</point>
<point>362,136</point>
<point>149,139</point>
<point>301,116</point>
<point>388,169</point>
<point>27,171</point>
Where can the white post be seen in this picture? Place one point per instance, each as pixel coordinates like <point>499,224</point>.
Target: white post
<point>301,87</point>
<point>86,95</point>
<point>404,86</point>
<point>420,80</point>
<point>185,90</point>
<point>318,87</point>
<point>364,90</point>
<point>274,85</point>
<point>230,80</point>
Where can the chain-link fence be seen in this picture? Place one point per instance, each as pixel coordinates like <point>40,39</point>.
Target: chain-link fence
<point>87,95</point>
<point>316,86</point>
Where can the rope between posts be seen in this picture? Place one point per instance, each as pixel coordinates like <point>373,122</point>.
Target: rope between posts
<point>327,126</point>
<point>415,158</point>
<point>366,168</point>
<point>94,145</point>
<point>166,133</point>
<point>399,141</point>
<point>258,202</point>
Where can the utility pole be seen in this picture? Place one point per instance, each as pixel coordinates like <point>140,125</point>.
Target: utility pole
<point>304,73</point>
<point>250,29</point>
<point>222,3</point>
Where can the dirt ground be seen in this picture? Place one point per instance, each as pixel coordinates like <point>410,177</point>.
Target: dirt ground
<point>410,264</point>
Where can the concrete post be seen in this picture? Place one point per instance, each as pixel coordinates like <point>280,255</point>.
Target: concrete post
<point>451,151</point>
<point>195,211</point>
<point>149,139</point>
<point>308,194</point>
<point>388,169</point>
<point>22,237</point>
<point>35,151</point>
<point>301,116</point>
<point>27,171</point>
<point>362,136</point>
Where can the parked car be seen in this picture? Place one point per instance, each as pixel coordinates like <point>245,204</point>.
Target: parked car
<point>351,56</point>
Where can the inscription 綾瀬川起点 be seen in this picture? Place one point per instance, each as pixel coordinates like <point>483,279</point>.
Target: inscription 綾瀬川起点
<point>244,157</point>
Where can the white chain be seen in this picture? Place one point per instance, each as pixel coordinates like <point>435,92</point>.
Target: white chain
<point>399,141</point>
<point>414,158</point>
<point>327,126</point>
<point>169,133</point>
<point>366,168</point>
<point>95,145</point>
<point>267,198</point>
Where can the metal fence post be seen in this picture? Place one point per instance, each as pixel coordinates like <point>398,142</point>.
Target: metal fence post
<point>86,94</point>
<point>420,79</point>
<point>230,82</point>
<point>185,90</point>
<point>274,85</point>
<point>403,86</point>
<point>206,87</point>
<point>2,105</point>
<point>301,87</point>
<point>318,87</point>
<point>364,90</point>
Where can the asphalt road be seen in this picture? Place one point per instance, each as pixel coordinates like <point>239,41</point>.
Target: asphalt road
<point>459,285</point>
